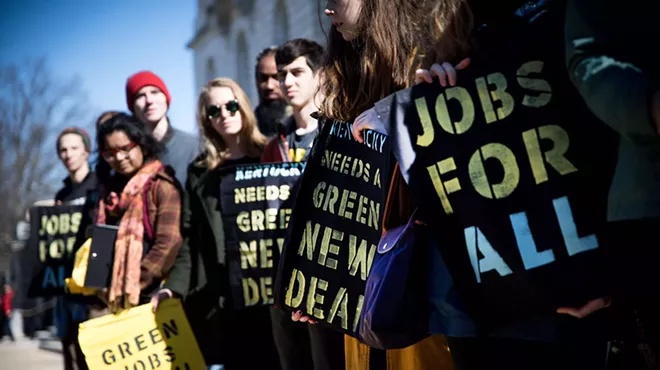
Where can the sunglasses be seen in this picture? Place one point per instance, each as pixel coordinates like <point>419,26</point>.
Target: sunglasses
<point>215,111</point>
<point>111,154</point>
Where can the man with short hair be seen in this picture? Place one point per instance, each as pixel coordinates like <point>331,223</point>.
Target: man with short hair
<point>149,100</point>
<point>297,64</point>
<point>74,148</point>
<point>272,108</point>
<point>300,345</point>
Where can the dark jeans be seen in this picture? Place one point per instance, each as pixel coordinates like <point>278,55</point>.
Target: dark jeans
<point>509,354</point>
<point>238,339</point>
<point>72,353</point>
<point>633,248</point>
<point>634,252</point>
<point>303,346</point>
<point>5,324</point>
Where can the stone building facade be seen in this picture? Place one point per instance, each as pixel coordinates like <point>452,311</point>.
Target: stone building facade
<point>230,33</point>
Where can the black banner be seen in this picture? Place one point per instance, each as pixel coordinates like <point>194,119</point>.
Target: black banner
<point>335,227</point>
<point>256,205</point>
<point>513,172</point>
<point>50,251</point>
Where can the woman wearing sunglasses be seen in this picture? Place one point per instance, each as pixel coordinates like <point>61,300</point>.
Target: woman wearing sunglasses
<point>229,131</point>
<point>141,196</point>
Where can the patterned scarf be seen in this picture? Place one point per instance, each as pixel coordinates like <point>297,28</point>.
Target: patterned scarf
<point>124,289</point>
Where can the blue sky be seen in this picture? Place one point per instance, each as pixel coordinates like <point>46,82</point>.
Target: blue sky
<point>103,42</point>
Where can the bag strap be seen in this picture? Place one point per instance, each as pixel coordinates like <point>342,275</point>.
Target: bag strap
<point>393,205</point>
<point>411,221</point>
<point>145,211</point>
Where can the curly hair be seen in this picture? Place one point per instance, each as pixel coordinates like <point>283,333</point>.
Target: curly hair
<point>269,51</point>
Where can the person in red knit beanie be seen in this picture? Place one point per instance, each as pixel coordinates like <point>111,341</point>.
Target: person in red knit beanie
<point>149,100</point>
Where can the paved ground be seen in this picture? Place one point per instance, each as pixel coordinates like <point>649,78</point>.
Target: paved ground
<point>25,354</point>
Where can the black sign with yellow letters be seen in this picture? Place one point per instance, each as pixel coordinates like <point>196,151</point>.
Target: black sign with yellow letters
<point>335,227</point>
<point>256,205</point>
<point>50,251</point>
<point>513,172</point>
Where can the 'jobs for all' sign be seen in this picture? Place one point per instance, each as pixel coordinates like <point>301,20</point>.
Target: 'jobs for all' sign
<point>335,227</point>
<point>256,206</point>
<point>50,251</point>
<point>505,163</point>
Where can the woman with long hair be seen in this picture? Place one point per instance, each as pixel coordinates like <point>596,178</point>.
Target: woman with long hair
<point>135,182</point>
<point>228,127</point>
<point>374,48</point>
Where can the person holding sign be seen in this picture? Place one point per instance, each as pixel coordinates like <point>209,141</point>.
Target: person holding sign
<point>143,199</point>
<point>516,295</point>
<point>74,147</point>
<point>300,345</point>
<point>235,338</point>
<point>373,49</point>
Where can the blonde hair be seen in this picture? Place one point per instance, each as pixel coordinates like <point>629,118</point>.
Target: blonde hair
<point>251,141</point>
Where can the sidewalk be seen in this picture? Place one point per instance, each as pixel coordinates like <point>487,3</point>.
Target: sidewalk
<point>25,354</point>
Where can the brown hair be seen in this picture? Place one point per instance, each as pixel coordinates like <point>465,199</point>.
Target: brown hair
<point>450,25</point>
<point>105,116</point>
<point>293,49</point>
<point>391,45</point>
<point>252,142</point>
<point>87,143</point>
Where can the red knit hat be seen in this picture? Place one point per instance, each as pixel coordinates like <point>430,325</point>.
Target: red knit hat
<point>140,80</point>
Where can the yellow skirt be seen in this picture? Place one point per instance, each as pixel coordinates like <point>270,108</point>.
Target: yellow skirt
<point>431,353</point>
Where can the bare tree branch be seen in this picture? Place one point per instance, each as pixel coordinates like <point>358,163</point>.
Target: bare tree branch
<point>34,107</point>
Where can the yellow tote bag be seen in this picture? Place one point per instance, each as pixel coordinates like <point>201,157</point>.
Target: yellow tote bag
<point>139,339</point>
<point>76,283</point>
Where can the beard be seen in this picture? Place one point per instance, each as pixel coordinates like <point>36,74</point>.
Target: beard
<point>270,114</point>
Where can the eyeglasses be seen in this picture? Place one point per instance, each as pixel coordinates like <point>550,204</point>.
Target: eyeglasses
<point>215,111</point>
<point>111,154</point>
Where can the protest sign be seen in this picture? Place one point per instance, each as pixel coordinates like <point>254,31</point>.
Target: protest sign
<point>49,253</point>
<point>139,339</point>
<point>256,205</point>
<point>335,227</point>
<point>507,171</point>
